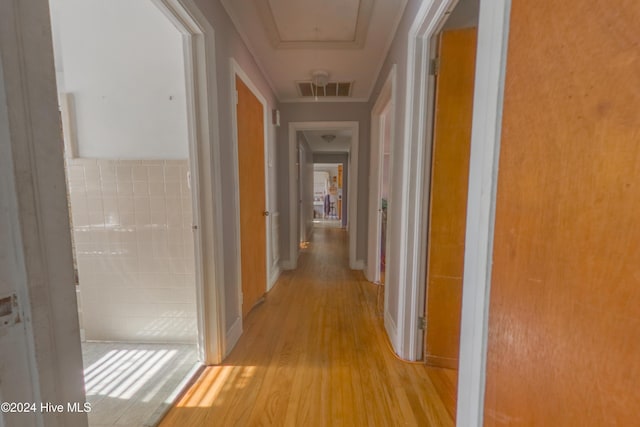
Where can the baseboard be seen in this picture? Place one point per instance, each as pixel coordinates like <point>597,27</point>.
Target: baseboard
<point>287,265</point>
<point>392,331</point>
<point>367,275</point>
<point>357,265</point>
<point>441,362</point>
<point>233,335</point>
<point>275,273</point>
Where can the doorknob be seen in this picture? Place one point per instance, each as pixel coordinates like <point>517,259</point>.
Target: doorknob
<point>265,213</point>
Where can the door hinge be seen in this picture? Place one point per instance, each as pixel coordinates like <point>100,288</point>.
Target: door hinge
<point>237,96</point>
<point>422,322</point>
<point>434,66</point>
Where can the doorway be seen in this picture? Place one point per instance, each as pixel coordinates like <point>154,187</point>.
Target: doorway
<point>454,79</point>
<point>134,200</point>
<point>342,147</point>
<point>328,191</point>
<point>253,212</point>
<point>381,160</point>
<point>322,178</point>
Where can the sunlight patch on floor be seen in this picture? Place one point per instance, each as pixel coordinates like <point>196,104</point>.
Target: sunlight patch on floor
<point>212,383</point>
<point>130,384</point>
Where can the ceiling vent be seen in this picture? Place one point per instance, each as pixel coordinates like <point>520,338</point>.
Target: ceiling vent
<point>308,89</point>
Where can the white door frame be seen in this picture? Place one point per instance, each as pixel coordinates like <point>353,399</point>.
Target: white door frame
<point>386,99</point>
<point>493,29</point>
<point>352,202</point>
<point>236,70</point>
<point>36,251</point>
<point>302,227</point>
<point>491,60</point>
<point>204,163</point>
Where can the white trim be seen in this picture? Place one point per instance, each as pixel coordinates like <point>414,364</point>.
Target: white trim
<point>227,5</point>
<point>391,328</point>
<point>322,99</point>
<point>487,117</point>
<point>236,70</point>
<point>204,145</point>
<point>288,264</point>
<point>358,264</point>
<point>493,34</point>
<point>274,226</point>
<point>239,28</point>
<point>386,99</point>
<point>41,341</point>
<point>275,274</point>
<point>233,335</point>
<point>415,162</point>
<point>67,117</point>
<point>357,41</point>
<point>352,202</point>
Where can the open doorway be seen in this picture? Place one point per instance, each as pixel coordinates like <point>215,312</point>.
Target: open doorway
<point>453,76</point>
<point>343,149</point>
<point>328,181</point>
<point>382,131</point>
<point>130,159</point>
<point>325,156</point>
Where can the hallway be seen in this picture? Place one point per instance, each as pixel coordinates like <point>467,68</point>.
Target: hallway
<point>315,353</point>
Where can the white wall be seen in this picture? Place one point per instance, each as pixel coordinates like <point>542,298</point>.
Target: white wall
<point>131,222</point>
<point>122,61</point>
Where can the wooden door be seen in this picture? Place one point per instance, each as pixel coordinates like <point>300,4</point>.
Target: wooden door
<point>250,116</point>
<point>564,315</point>
<point>448,205</point>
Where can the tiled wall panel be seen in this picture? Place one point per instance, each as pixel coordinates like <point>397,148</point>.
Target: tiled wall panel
<point>134,248</point>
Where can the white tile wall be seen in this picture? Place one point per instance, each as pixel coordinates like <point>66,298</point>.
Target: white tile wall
<point>134,248</point>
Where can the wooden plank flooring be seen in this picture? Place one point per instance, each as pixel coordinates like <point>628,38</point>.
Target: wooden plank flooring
<point>315,354</point>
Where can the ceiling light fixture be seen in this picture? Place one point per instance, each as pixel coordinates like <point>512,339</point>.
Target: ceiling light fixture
<point>320,79</point>
<point>328,138</point>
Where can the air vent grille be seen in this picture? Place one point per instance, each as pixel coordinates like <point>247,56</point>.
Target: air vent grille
<point>332,89</point>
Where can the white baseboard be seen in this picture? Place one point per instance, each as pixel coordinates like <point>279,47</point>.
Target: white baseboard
<point>392,331</point>
<point>357,265</point>
<point>275,273</point>
<point>287,265</point>
<point>367,274</point>
<point>233,335</point>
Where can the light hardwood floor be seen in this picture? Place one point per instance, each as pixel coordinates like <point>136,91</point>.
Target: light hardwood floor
<point>315,354</point>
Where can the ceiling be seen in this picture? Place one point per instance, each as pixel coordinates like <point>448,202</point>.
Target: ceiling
<point>292,38</point>
<point>341,144</point>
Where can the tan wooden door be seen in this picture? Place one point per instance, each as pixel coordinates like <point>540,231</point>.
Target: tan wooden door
<point>250,118</point>
<point>448,206</point>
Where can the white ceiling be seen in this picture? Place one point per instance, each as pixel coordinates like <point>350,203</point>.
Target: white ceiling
<point>292,38</point>
<point>341,144</point>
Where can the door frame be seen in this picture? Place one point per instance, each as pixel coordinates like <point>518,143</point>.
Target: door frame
<point>352,202</point>
<point>33,205</point>
<point>386,99</point>
<point>236,70</point>
<point>493,32</point>
<point>302,227</point>
<point>204,144</point>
